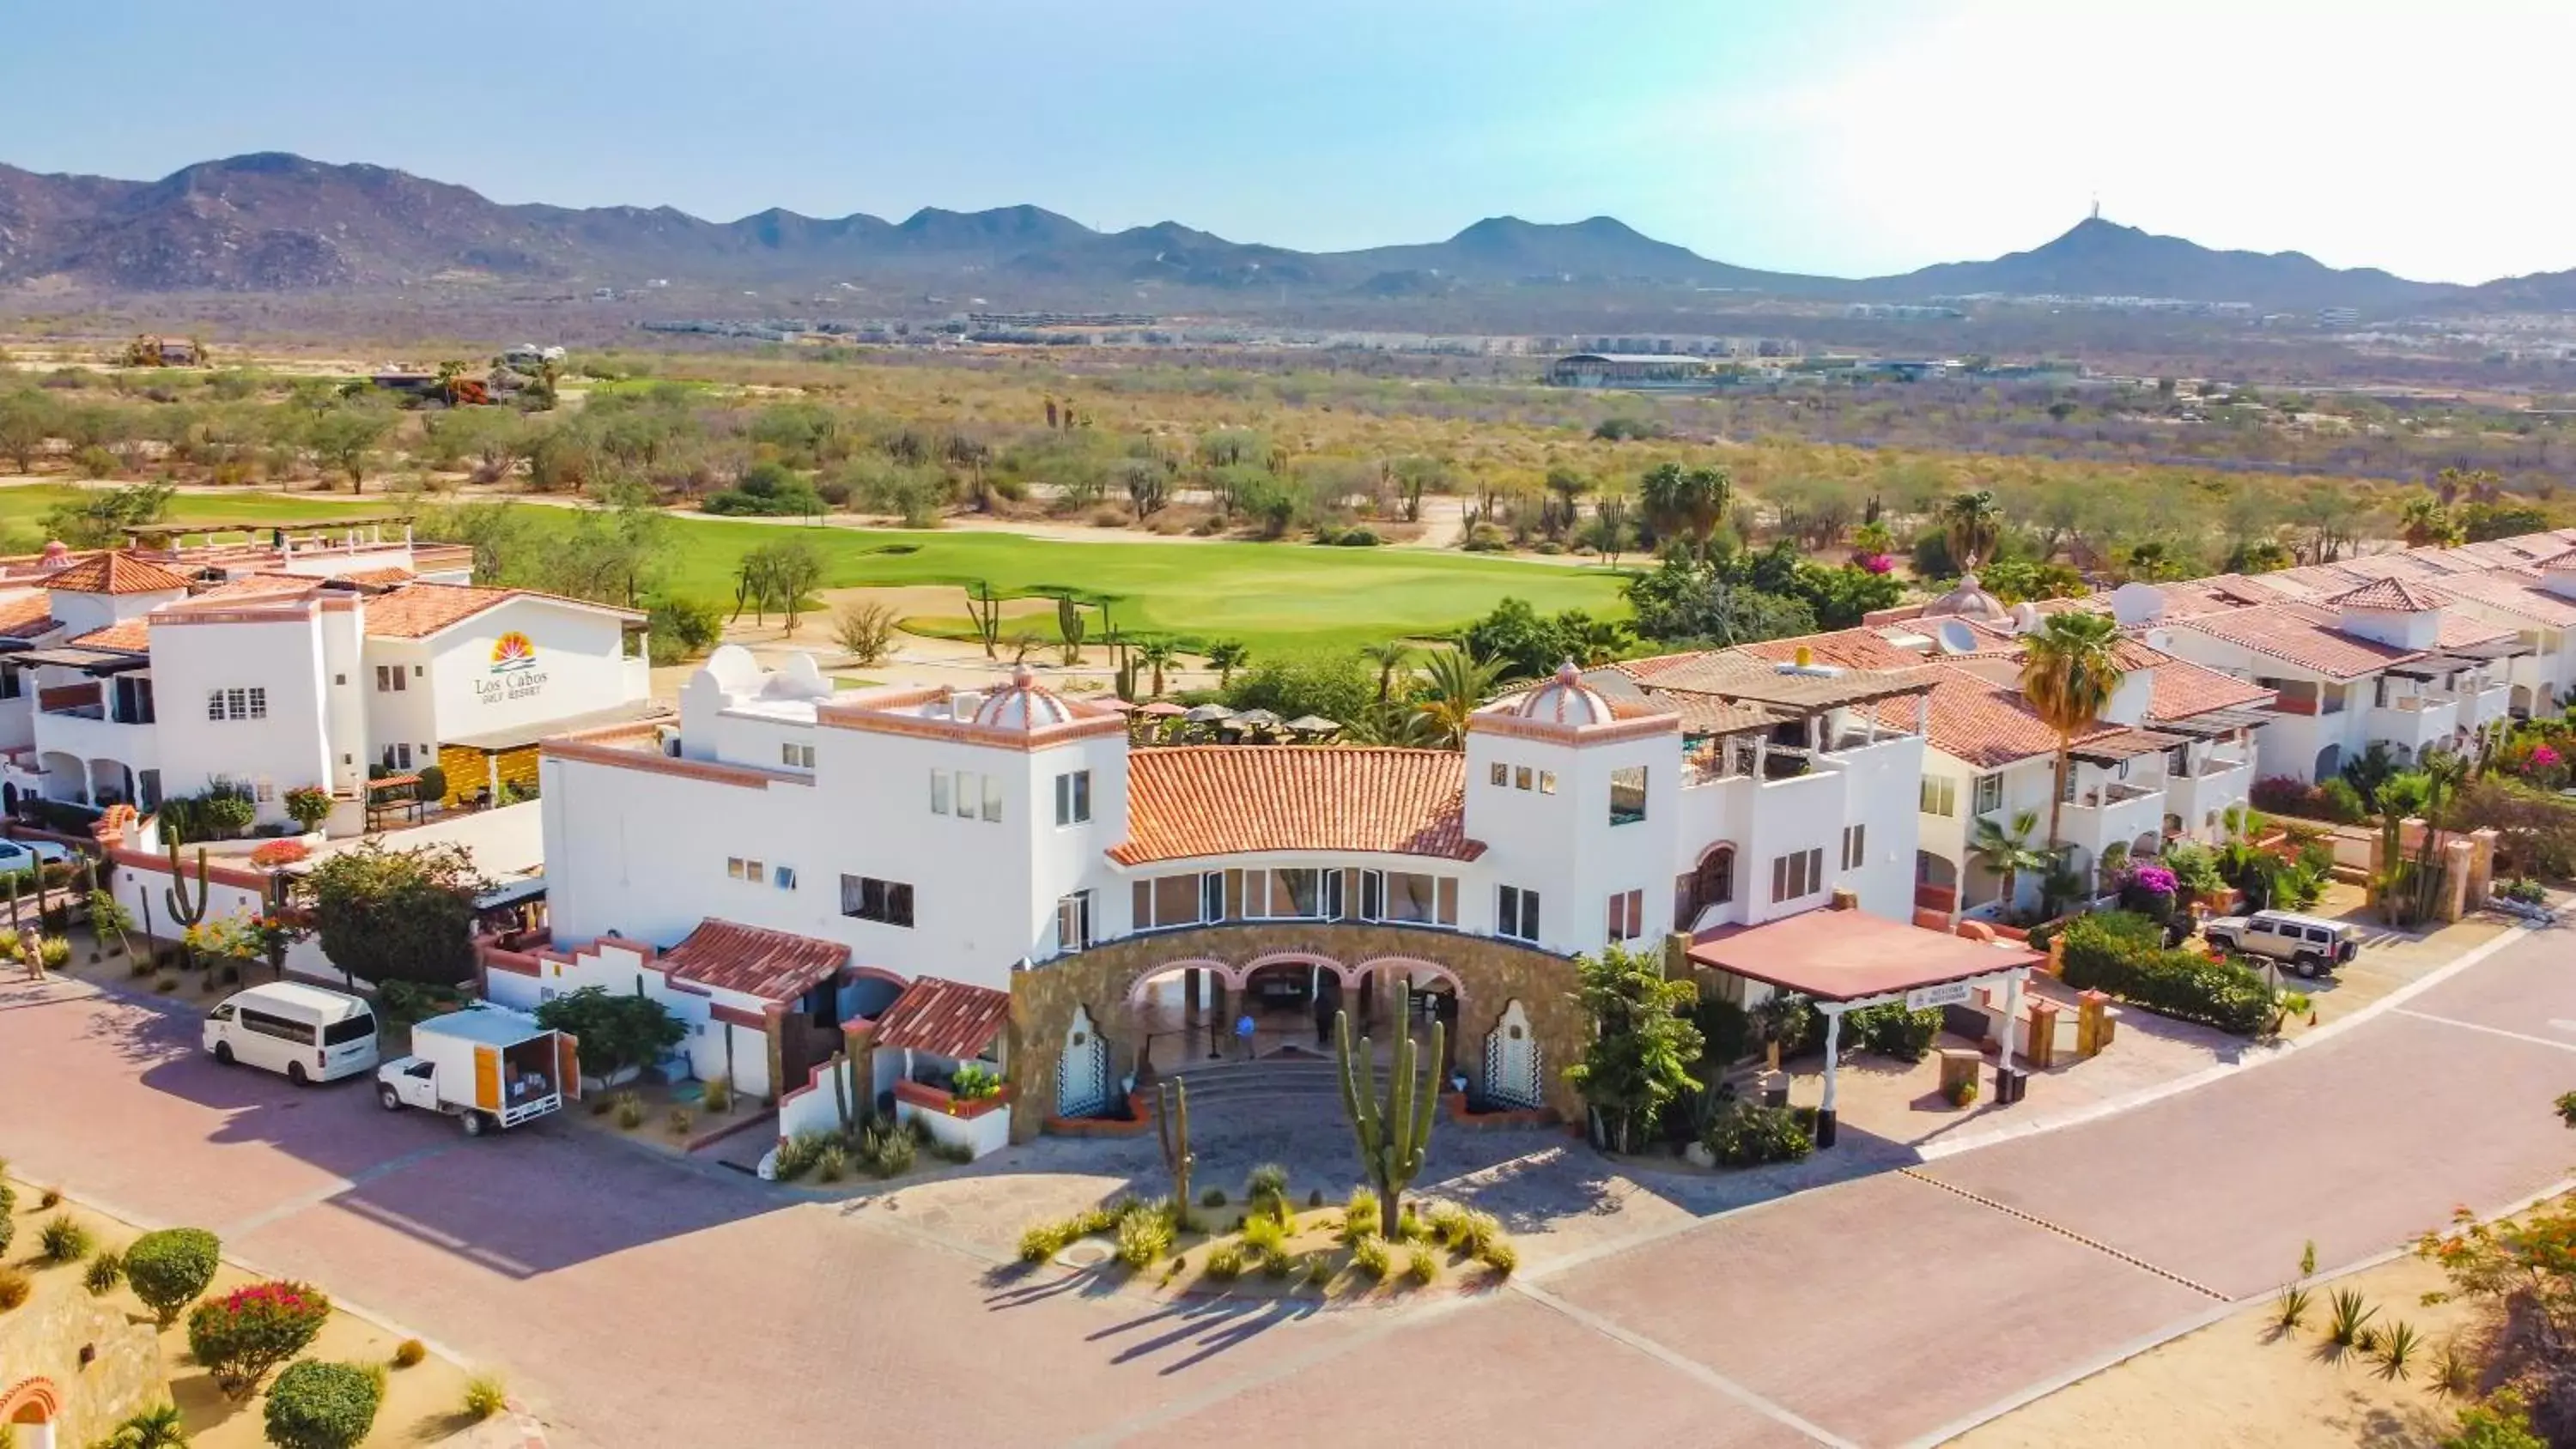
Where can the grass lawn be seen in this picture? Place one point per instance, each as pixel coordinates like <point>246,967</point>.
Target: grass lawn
<point>1271,596</point>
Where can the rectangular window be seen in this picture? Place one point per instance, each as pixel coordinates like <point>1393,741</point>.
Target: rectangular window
<point>402,756</point>
<point>784,877</point>
<point>1173,900</point>
<point>1502,775</point>
<point>1799,873</point>
<point>215,704</point>
<point>1521,778</point>
<point>1290,894</point>
<point>1073,798</point>
<point>1990,793</point>
<point>992,798</point>
<point>796,756</point>
<point>384,678</point>
<point>939,792</point>
<point>1628,795</point>
<point>1855,846</point>
<point>1627,915</point>
<point>733,867</point>
<point>1073,921</point>
<point>754,872</point>
<point>10,685</point>
<point>1547,782</point>
<point>1940,796</point>
<point>1516,913</point>
<point>870,899</point>
<point>970,788</point>
<point>263,791</point>
<point>1412,898</point>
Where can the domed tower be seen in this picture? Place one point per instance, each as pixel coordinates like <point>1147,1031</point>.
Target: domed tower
<point>1969,600</point>
<point>1574,790</point>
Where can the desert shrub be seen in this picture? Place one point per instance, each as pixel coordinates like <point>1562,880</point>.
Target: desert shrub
<point>1747,1134</point>
<point>865,631</point>
<point>1040,1242</point>
<point>1277,1265</point>
<point>1369,1258</point>
<point>888,1151</point>
<point>15,1287</point>
<point>1319,1270</point>
<point>485,1396</point>
<point>1422,1265</point>
<point>8,1215</point>
<point>64,1241</point>
<point>2124,954</point>
<point>167,1269</point>
<point>1448,1222</point>
<point>409,1353</point>
<point>1500,1257</point>
<point>1360,1213</point>
<point>1263,1233</point>
<point>1143,1237</point>
<point>629,1111</point>
<point>316,1405</point>
<point>1268,1183</point>
<point>1412,1228</point>
<point>679,1121</point>
<point>1225,1262</point>
<point>1891,1030</point>
<point>718,1096</point>
<point>797,1155</point>
<point>105,1274</point>
<point>1212,1198</point>
<point>241,1336</point>
<point>832,1163</point>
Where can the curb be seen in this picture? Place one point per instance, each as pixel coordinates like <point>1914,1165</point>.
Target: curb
<point>532,1432</point>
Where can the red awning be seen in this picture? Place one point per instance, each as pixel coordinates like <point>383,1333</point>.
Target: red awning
<point>1848,955</point>
<point>944,1018</point>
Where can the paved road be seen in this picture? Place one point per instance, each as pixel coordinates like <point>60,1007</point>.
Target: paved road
<point>637,1302</point>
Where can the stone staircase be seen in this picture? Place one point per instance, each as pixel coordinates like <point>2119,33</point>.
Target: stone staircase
<point>1218,1086</point>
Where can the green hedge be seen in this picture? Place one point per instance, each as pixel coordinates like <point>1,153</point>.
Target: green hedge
<point>316,1405</point>
<point>2124,954</point>
<point>1891,1030</point>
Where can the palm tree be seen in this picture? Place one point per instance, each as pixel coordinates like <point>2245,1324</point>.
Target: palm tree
<point>1456,683</point>
<point>2006,852</point>
<point>2407,793</point>
<point>2369,770</point>
<point>2424,523</point>
<point>2069,670</point>
<point>1685,502</point>
<point>1157,655</point>
<point>1973,526</point>
<point>158,1427</point>
<point>2444,772</point>
<point>1389,657</point>
<point>1226,656</point>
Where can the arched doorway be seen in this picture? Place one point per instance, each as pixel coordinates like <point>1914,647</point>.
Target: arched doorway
<point>2329,764</point>
<point>1512,1066</point>
<point>29,1409</point>
<point>1711,883</point>
<point>1936,882</point>
<point>1177,1015</point>
<point>1082,1086</point>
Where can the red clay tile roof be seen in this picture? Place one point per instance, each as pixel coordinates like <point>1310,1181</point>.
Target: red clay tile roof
<point>1978,720</point>
<point>1859,648</point>
<point>2459,631</point>
<point>2301,635</point>
<point>2180,689</point>
<point>381,576</point>
<point>117,573</point>
<point>754,960</point>
<point>26,614</point>
<point>134,636</point>
<point>256,586</point>
<point>2513,591</point>
<point>1845,955</point>
<point>1194,800</point>
<point>2393,594</point>
<point>416,611</point>
<point>944,1018</point>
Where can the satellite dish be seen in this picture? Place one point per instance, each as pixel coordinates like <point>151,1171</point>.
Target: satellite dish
<point>1957,638</point>
<point>2135,603</point>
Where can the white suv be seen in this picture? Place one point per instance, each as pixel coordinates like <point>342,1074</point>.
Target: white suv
<point>2312,945</point>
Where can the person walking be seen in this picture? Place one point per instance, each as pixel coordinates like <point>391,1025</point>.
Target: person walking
<point>1325,1011</point>
<point>1243,1029</point>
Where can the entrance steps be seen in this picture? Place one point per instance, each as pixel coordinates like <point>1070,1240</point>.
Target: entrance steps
<point>1224,1083</point>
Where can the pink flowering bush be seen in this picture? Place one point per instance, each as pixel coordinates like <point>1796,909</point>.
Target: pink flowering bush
<point>240,1337</point>
<point>1877,563</point>
<point>2154,879</point>
<point>2544,756</point>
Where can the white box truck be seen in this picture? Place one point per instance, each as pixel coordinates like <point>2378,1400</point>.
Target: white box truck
<point>486,1066</point>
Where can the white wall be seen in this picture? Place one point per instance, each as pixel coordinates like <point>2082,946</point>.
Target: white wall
<point>622,970</point>
<point>578,668</point>
<point>288,749</point>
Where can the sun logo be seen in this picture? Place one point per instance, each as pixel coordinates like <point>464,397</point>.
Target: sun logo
<point>512,651</point>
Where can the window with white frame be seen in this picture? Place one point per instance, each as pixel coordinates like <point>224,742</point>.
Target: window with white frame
<point>1073,798</point>
<point>887,902</point>
<point>784,877</point>
<point>1939,796</point>
<point>1502,775</point>
<point>237,703</point>
<point>1177,900</point>
<point>392,679</point>
<point>1799,873</point>
<point>747,870</point>
<point>1547,782</point>
<point>1288,894</point>
<point>1073,921</point>
<point>1516,913</point>
<point>796,756</point>
<point>1990,793</point>
<point>939,783</point>
<point>1855,846</point>
<point>1627,915</point>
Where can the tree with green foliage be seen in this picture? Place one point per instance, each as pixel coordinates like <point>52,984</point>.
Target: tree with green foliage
<point>161,1426</point>
<point>1226,656</point>
<point>1454,684</point>
<point>2070,669</point>
<point>346,438</point>
<point>244,1335</point>
<point>1686,503</point>
<point>1289,685</point>
<point>2006,852</point>
<point>26,424</point>
<point>1643,1043</point>
<point>317,1405</point>
<point>398,915</point>
<point>1972,525</point>
<point>615,1031</point>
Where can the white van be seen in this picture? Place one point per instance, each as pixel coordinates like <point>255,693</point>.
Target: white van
<point>310,1034</point>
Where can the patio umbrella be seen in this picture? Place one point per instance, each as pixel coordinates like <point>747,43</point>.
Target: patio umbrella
<point>1111,701</point>
<point>1257,719</point>
<point>1313,724</point>
<point>1162,709</point>
<point>1208,714</point>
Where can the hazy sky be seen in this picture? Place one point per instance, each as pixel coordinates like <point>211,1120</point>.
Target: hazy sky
<point>1849,136</point>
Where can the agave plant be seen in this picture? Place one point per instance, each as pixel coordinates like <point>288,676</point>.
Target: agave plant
<point>2397,1348</point>
<point>2348,1319</point>
<point>2290,1307</point>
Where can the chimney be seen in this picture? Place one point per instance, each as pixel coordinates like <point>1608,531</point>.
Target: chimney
<point>1845,899</point>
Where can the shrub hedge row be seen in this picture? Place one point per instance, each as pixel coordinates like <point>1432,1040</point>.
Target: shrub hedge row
<point>2124,954</point>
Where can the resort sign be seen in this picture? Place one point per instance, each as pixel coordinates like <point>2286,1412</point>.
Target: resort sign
<point>514,673</point>
<point>1952,993</point>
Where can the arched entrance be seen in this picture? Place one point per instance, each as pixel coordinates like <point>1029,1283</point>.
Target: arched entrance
<point>1082,1086</point>
<point>1292,1000</point>
<point>1711,883</point>
<point>2329,764</point>
<point>1512,1065</point>
<point>29,1409</point>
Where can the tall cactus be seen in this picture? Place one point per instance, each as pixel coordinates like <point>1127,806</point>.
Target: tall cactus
<point>184,913</point>
<point>1172,1131</point>
<point>1394,1135</point>
<point>1070,623</point>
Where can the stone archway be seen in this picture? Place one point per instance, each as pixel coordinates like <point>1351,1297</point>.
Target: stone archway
<point>30,1409</point>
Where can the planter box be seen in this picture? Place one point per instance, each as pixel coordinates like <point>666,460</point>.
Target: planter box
<point>979,1126</point>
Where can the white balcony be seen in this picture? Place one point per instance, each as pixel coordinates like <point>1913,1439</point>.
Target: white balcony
<point>2488,704</point>
<point>2114,813</point>
<point>2415,720</point>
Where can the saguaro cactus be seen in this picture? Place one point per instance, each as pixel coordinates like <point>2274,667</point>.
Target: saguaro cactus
<point>1393,1135</point>
<point>987,612</point>
<point>1070,623</point>
<point>1172,1130</point>
<point>185,913</point>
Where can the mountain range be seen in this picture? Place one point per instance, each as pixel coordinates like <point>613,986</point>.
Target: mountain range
<point>272,222</point>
